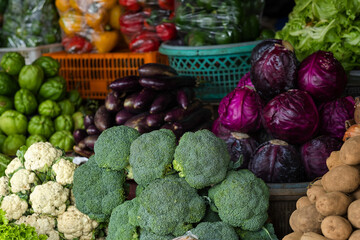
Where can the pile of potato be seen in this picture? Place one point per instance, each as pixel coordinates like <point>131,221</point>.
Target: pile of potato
<point>331,209</point>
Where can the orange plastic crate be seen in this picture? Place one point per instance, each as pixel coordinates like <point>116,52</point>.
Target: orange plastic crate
<point>91,73</point>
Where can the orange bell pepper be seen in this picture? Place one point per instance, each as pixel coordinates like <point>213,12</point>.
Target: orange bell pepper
<point>107,4</point>
<point>105,41</point>
<point>80,5</point>
<point>115,14</point>
<point>71,22</point>
<point>62,5</point>
<point>96,17</point>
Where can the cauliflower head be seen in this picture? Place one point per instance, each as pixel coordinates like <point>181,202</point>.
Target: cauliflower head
<point>74,224</point>
<point>42,224</point>
<point>22,181</point>
<point>13,166</point>
<point>40,156</point>
<point>64,171</point>
<point>14,206</point>
<point>49,198</point>
<point>4,186</point>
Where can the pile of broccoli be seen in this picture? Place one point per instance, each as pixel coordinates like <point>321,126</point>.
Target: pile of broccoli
<point>183,188</point>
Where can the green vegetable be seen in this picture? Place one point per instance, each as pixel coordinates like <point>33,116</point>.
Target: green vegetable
<point>201,158</point>
<point>34,139</point>
<point>147,235</point>
<point>97,190</point>
<point>8,85</point>
<point>148,162</point>
<point>197,38</point>
<point>31,78</point>
<point>49,65</point>
<point>67,107</point>
<point>41,125</point>
<point>75,98</point>
<point>25,102</point>
<point>12,143</point>
<point>78,118</point>
<point>13,122</point>
<point>5,104</point>
<point>63,139</point>
<point>267,232</point>
<point>242,200</point>
<point>64,122</point>
<point>2,140</point>
<point>112,148</point>
<point>52,89</point>
<point>12,62</point>
<point>4,162</point>
<point>215,230</point>
<point>49,108</point>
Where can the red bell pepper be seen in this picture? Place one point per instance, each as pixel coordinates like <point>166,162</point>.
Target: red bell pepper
<point>145,42</point>
<point>132,23</point>
<point>166,31</point>
<point>131,5</point>
<point>167,4</point>
<point>76,44</point>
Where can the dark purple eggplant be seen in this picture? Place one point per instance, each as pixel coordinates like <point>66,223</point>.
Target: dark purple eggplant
<point>178,132</point>
<point>88,120</point>
<point>92,130</point>
<point>156,69</point>
<point>82,152</point>
<point>113,102</point>
<point>144,99</point>
<point>82,144</point>
<point>79,134</point>
<point>129,103</point>
<point>122,116</point>
<point>126,84</point>
<point>162,102</point>
<point>193,120</point>
<point>206,125</point>
<point>103,119</point>
<point>179,113</point>
<point>90,141</point>
<point>184,96</point>
<point>155,120</point>
<point>167,83</point>
<point>138,122</point>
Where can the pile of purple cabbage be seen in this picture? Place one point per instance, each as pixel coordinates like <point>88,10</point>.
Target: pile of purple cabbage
<point>285,117</point>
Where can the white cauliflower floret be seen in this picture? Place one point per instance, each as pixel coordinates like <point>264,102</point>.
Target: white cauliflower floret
<point>14,165</point>
<point>4,186</point>
<point>74,224</point>
<point>14,206</point>
<point>22,180</point>
<point>40,156</point>
<point>42,224</point>
<point>64,171</point>
<point>49,198</point>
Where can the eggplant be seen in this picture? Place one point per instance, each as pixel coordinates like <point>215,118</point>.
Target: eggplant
<point>126,84</point>
<point>103,119</point>
<point>156,69</point>
<point>167,83</point>
<point>138,122</point>
<point>144,99</point>
<point>206,125</point>
<point>155,120</point>
<point>179,113</point>
<point>162,102</point>
<point>178,132</point>
<point>90,141</point>
<point>82,144</point>
<point>92,130</point>
<point>122,116</point>
<point>193,120</point>
<point>79,134</point>
<point>88,120</point>
<point>82,152</point>
<point>129,103</point>
<point>113,102</point>
<point>184,96</point>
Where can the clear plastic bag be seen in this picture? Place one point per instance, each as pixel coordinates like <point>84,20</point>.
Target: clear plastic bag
<point>187,236</point>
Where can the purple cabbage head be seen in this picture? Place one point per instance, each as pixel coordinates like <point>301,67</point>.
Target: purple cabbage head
<point>322,75</point>
<point>314,154</point>
<point>291,116</point>
<point>333,115</point>
<point>273,68</point>
<point>240,110</point>
<point>245,81</point>
<point>276,161</point>
<point>219,130</point>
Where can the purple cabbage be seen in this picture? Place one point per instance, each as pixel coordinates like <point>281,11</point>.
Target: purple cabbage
<point>333,115</point>
<point>314,154</point>
<point>219,130</point>
<point>322,75</point>
<point>240,110</point>
<point>245,81</point>
<point>276,161</point>
<point>291,116</point>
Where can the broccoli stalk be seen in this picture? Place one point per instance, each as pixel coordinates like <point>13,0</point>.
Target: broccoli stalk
<point>267,232</point>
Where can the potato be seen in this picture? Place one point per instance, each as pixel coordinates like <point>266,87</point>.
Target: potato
<point>333,160</point>
<point>312,236</point>
<point>316,183</point>
<point>336,228</point>
<point>350,151</point>
<point>306,219</point>
<point>354,213</point>
<point>342,178</point>
<point>333,203</point>
<point>293,236</point>
<point>356,194</point>
<point>302,202</point>
<point>355,235</point>
<point>314,192</point>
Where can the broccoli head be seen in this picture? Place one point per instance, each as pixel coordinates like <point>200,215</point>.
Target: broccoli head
<point>97,190</point>
<point>242,200</point>
<point>169,206</point>
<point>112,148</point>
<point>201,158</point>
<point>214,230</point>
<point>267,232</point>
<point>151,155</point>
<point>146,235</point>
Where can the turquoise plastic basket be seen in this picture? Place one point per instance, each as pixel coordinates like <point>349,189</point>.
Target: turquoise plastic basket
<point>217,68</point>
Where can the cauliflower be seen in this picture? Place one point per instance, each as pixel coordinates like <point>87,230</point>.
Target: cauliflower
<point>74,224</point>
<point>40,156</point>
<point>64,171</point>
<point>22,180</point>
<point>14,206</point>
<point>49,198</point>
<point>4,186</point>
<point>42,224</point>
<point>14,165</point>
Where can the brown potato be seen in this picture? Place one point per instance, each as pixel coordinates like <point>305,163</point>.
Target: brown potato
<point>356,194</point>
<point>336,228</point>
<point>350,151</point>
<point>314,192</point>
<point>333,160</point>
<point>333,203</point>
<point>316,183</point>
<point>354,213</point>
<point>293,236</point>
<point>312,236</point>
<point>306,219</point>
<point>355,235</point>
<point>302,202</point>
<point>343,178</point>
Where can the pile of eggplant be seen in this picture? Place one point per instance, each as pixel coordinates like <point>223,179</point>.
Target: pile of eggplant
<point>157,98</point>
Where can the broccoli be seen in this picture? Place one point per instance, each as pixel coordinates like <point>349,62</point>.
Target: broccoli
<point>112,148</point>
<point>97,190</point>
<point>169,206</point>
<point>201,158</point>
<point>211,216</point>
<point>151,155</point>
<point>146,235</point>
<point>242,200</point>
<point>267,232</point>
<point>214,230</point>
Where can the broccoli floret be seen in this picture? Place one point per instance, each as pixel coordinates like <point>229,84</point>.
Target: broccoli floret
<point>169,206</point>
<point>214,230</point>
<point>211,216</point>
<point>112,148</point>
<point>242,200</point>
<point>151,155</point>
<point>97,190</point>
<point>146,235</point>
<point>267,232</point>
<point>201,158</point>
